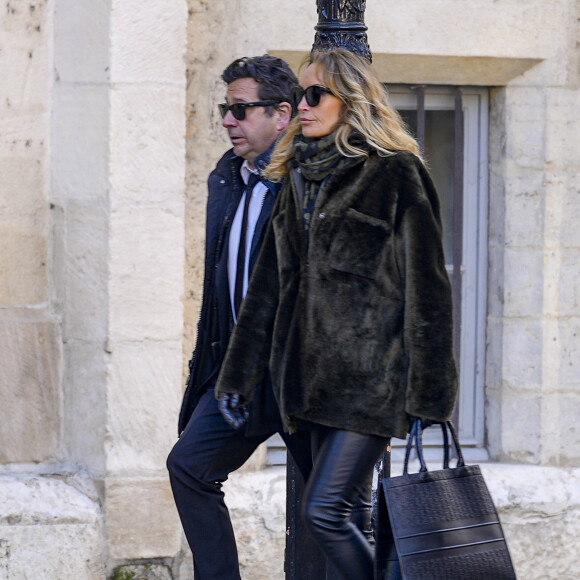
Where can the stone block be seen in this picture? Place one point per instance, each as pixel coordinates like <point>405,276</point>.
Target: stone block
<point>497,144</point>
<point>568,287</point>
<point>555,195</point>
<point>148,45</point>
<point>493,413</point>
<point>494,353</point>
<point>525,117</point>
<point>26,68</point>
<point>551,427</point>
<point>81,148</point>
<point>523,282</point>
<point>257,504</point>
<point>23,267</point>
<point>48,530</point>
<point>24,244</point>
<point>522,354</point>
<point>521,422</point>
<point>50,552</point>
<point>214,41</point>
<point>495,280</point>
<point>147,149</point>
<point>193,271</point>
<point>569,230</point>
<point>506,29</point>
<point>27,21</point>
<point>29,396</point>
<point>146,259</point>
<point>562,127</point>
<point>86,274</point>
<point>568,441</point>
<point>22,173</point>
<point>29,500</point>
<point>569,331</point>
<point>183,566</point>
<point>524,209</point>
<point>23,136</point>
<point>538,506</point>
<point>142,521</point>
<point>85,404</point>
<point>143,399</point>
<point>85,25</point>
<point>493,385</point>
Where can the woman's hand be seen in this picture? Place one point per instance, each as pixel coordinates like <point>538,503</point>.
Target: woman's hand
<point>424,422</point>
<point>233,408</point>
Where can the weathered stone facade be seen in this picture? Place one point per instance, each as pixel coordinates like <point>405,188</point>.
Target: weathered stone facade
<point>93,145</point>
<point>108,130</point>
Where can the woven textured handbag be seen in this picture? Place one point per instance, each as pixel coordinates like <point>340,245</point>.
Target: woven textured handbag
<point>444,524</point>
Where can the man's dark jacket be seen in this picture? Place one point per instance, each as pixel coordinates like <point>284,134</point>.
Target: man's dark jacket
<point>225,188</point>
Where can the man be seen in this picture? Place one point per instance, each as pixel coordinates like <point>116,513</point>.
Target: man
<point>256,112</point>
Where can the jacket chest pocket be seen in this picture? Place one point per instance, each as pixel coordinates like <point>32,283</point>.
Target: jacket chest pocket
<point>359,244</point>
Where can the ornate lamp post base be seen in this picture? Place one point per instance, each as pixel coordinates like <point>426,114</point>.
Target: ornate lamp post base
<point>341,25</point>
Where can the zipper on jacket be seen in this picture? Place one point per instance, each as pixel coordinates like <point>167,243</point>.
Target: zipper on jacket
<point>228,219</point>
<point>218,247</point>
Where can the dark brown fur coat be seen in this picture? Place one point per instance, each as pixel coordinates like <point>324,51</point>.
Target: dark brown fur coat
<point>355,316</point>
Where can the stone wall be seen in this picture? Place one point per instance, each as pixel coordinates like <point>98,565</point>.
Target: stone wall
<point>92,253</point>
<point>108,130</point>
<point>30,398</point>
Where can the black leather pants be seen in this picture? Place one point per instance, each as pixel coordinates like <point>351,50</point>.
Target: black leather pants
<point>341,476</point>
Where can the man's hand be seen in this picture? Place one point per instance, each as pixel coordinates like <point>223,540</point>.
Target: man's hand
<point>233,409</point>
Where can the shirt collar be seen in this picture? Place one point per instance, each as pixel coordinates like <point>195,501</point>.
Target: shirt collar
<point>246,170</point>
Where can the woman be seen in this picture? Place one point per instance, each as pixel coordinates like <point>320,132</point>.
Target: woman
<point>350,303</point>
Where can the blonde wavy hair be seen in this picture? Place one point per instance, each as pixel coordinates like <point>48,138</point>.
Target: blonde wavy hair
<point>367,111</point>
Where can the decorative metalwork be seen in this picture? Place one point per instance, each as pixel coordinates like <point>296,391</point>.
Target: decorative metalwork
<point>341,24</point>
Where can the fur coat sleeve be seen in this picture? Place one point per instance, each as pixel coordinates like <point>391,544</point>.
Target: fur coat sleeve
<point>428,324</point>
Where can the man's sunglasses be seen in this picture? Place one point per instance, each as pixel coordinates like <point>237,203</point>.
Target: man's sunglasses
<point>312,93</point>
<point>239,109</point>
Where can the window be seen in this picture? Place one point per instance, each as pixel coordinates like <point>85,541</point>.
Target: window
<point>452,126</point>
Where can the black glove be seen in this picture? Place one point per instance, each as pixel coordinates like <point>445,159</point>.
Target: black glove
<point>233,409</point>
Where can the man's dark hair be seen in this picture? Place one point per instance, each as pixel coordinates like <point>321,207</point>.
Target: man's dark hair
<point>274,77</point>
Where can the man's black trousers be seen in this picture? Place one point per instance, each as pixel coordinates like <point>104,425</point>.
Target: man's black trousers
<point>201,460</point>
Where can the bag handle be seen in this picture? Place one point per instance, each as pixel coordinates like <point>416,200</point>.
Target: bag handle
<point>416,436</point>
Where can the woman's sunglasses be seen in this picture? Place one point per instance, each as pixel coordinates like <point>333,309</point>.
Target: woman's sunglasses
<point>239,109</point>
<point>312,93</point>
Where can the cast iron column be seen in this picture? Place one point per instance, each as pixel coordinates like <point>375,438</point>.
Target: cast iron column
<point>340,25</point>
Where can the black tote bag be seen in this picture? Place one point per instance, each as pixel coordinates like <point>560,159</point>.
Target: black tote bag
<point>439,525</point>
